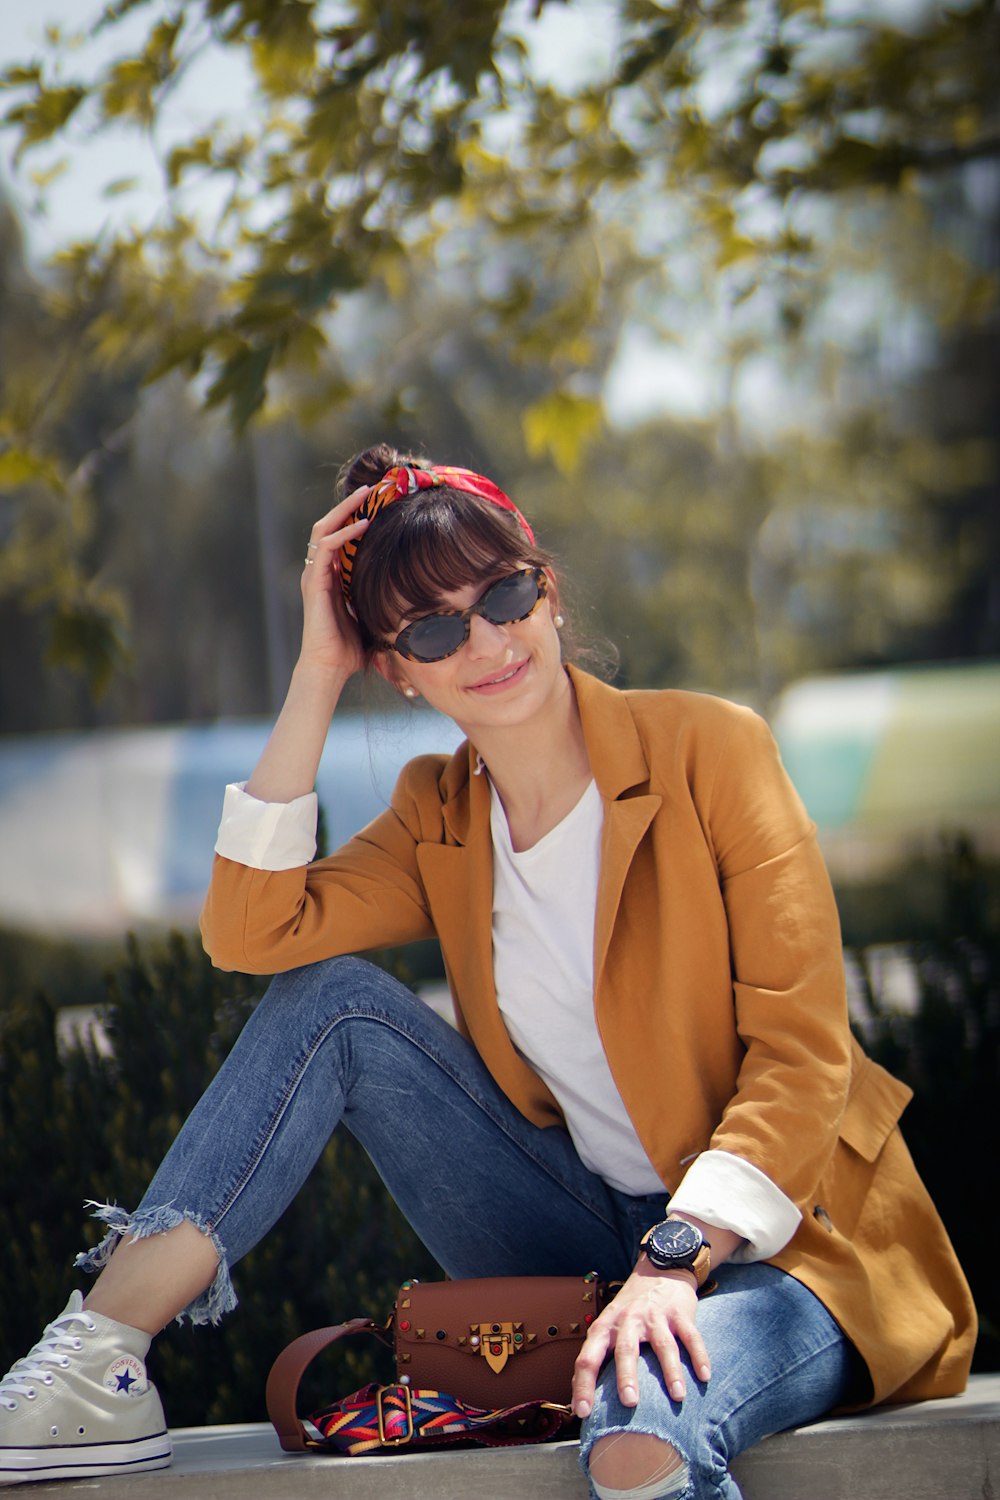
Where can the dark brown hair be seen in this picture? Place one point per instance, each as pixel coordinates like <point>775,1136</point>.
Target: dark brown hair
<point>428,545</point>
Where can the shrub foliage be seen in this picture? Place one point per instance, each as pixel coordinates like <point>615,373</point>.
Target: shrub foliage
<point>81,1122</point>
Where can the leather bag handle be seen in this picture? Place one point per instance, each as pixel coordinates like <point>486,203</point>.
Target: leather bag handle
<point>285,1374</point>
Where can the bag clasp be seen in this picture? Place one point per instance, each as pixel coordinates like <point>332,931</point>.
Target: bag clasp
<point>497,1342</point>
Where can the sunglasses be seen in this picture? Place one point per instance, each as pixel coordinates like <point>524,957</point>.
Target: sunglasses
<point>437,636</point>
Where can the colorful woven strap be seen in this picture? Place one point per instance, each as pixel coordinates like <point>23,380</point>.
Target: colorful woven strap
<point>393,1416</point>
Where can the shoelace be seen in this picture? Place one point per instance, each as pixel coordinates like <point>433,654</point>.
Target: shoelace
<point>23,1377</point>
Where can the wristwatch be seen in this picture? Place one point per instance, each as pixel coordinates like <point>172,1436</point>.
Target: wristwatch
<point>676,1245</point>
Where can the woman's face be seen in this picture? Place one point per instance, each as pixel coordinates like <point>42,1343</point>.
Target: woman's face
<point>502,676</point>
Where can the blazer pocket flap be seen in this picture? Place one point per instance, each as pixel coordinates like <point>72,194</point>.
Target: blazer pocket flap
<point>873,1110</point>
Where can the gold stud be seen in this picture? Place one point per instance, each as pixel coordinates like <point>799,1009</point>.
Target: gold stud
<point>404,1359</point>
<point>420,1333</point>
<point>588,1296</point>
<point>462,1340</point>
<point>405,1302</point>
<point>531,1338</point>
<point>574,1328</point>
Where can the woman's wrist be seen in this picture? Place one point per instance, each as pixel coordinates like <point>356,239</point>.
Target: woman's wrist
<point>320,678</point>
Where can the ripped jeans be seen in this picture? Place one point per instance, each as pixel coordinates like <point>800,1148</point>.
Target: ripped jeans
<point>489,1194</point>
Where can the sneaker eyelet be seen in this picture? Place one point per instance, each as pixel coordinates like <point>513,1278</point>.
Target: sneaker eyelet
<point>53,1432</point>
<point>48,1379</point>
<point>31,1394</point>
<point>90,1325</point>
<point>78,1343</point>
<point>65,1362</point>
<point>81,1431</point>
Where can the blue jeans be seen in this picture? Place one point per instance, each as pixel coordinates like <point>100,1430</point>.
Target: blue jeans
<point>493,1195</point>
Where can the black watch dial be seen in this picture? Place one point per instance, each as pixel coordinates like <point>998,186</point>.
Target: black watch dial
<point>674,1244</point>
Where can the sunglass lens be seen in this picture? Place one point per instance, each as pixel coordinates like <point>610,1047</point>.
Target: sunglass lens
<point>510,599</point>
<point>435,637</point>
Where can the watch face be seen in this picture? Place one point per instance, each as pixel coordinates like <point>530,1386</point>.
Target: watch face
<point>675,1241</point>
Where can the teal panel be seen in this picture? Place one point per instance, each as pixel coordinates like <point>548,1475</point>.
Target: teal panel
<point>829,775</point>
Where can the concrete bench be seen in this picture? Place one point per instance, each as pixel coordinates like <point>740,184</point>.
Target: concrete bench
<point>934,1450</point>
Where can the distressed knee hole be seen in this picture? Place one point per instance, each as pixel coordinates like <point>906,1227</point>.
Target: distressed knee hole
<point>636,1466</point>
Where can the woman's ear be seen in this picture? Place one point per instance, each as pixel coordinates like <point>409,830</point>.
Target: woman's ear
<point>386,665</point>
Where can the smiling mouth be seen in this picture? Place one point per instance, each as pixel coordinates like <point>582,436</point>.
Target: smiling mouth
<point>503,677</point>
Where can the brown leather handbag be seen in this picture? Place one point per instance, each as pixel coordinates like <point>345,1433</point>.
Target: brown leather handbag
<point>489,1360</point>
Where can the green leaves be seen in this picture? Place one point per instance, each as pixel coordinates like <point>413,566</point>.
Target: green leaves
<point>560,426</point>
<point>129,90</point>
<point>43,115</point>
<point>86,636</point>
<point>732,167</point>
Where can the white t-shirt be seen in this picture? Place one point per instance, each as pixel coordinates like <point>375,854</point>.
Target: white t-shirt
<point>544,900</point>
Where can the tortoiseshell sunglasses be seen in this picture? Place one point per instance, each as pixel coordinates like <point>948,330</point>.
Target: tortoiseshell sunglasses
<point>435,637</point>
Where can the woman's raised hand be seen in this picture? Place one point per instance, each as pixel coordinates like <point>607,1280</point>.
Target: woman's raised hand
<point>330,638</point>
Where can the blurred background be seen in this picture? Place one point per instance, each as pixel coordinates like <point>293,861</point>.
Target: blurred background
<point>711,291</point>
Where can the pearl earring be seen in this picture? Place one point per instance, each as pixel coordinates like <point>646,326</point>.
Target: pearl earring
<point>558,622</point>
<point>409,692</point>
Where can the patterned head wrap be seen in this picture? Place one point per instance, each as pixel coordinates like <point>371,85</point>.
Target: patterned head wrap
<point>397,483</point>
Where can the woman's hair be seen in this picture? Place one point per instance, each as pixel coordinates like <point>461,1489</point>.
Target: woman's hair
<point>425,546</point>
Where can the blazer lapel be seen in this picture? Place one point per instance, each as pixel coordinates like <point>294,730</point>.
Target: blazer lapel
<point>625,823</point>
<point>619,765</point>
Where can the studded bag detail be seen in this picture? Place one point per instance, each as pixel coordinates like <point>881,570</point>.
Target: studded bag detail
<point>490,1359</point>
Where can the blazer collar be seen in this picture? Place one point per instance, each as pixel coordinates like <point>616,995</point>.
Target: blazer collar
<point>617,758</point>
<point>613,745</point>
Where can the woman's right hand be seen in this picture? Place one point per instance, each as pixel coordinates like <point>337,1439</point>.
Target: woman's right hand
<point>331,641</point>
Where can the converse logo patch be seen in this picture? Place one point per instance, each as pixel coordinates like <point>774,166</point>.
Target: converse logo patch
<point>125,1376</point>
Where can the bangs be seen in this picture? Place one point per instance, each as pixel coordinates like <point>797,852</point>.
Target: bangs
<point>428,545</point>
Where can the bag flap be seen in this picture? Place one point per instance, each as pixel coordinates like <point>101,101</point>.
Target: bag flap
<point>523,1312</point>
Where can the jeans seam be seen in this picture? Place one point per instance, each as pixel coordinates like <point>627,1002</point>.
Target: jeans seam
<point>299,1071</point>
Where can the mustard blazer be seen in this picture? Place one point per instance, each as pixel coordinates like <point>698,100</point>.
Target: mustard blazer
<point>719,992</point>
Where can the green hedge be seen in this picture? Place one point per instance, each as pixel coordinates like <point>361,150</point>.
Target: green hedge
<point>77,1124</point>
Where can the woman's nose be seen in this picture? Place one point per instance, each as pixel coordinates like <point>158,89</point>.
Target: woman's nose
<point>485,638</point>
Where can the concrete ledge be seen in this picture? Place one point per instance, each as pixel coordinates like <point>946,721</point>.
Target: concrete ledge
<point>934,1450</point>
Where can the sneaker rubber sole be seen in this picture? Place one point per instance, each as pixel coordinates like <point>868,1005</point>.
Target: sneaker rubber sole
<point>84,1460</point>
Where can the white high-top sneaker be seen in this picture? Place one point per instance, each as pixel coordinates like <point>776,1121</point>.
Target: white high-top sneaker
<point>80,1403</point>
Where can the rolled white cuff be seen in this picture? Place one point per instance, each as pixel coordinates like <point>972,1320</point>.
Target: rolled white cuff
<point>267,835</point>
<point>731,1193</point>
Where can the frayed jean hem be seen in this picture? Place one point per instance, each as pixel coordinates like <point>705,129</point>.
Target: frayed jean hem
<point>217,1299</point>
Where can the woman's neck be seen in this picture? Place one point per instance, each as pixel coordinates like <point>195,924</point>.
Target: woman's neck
<point>540,769</point>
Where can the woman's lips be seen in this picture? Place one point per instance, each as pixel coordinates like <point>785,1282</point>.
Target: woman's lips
<point>498,681</point>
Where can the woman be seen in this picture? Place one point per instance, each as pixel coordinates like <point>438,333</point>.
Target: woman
<point>652,1074</point>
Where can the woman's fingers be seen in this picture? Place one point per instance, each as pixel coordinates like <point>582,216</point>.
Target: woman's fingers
<point>322,551</point>
<point>587,1368</point>
<point>338,515</point>
<point>687,1331</point>
<point>664,1346</point>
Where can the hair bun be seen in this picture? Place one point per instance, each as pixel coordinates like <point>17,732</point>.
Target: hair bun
<point>370,466</point>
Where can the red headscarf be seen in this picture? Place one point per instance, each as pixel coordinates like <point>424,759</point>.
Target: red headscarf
<point>397,483</point>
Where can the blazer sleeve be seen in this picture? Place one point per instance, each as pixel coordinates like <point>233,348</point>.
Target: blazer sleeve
<point>787,969</point>
<point>366,895</point>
